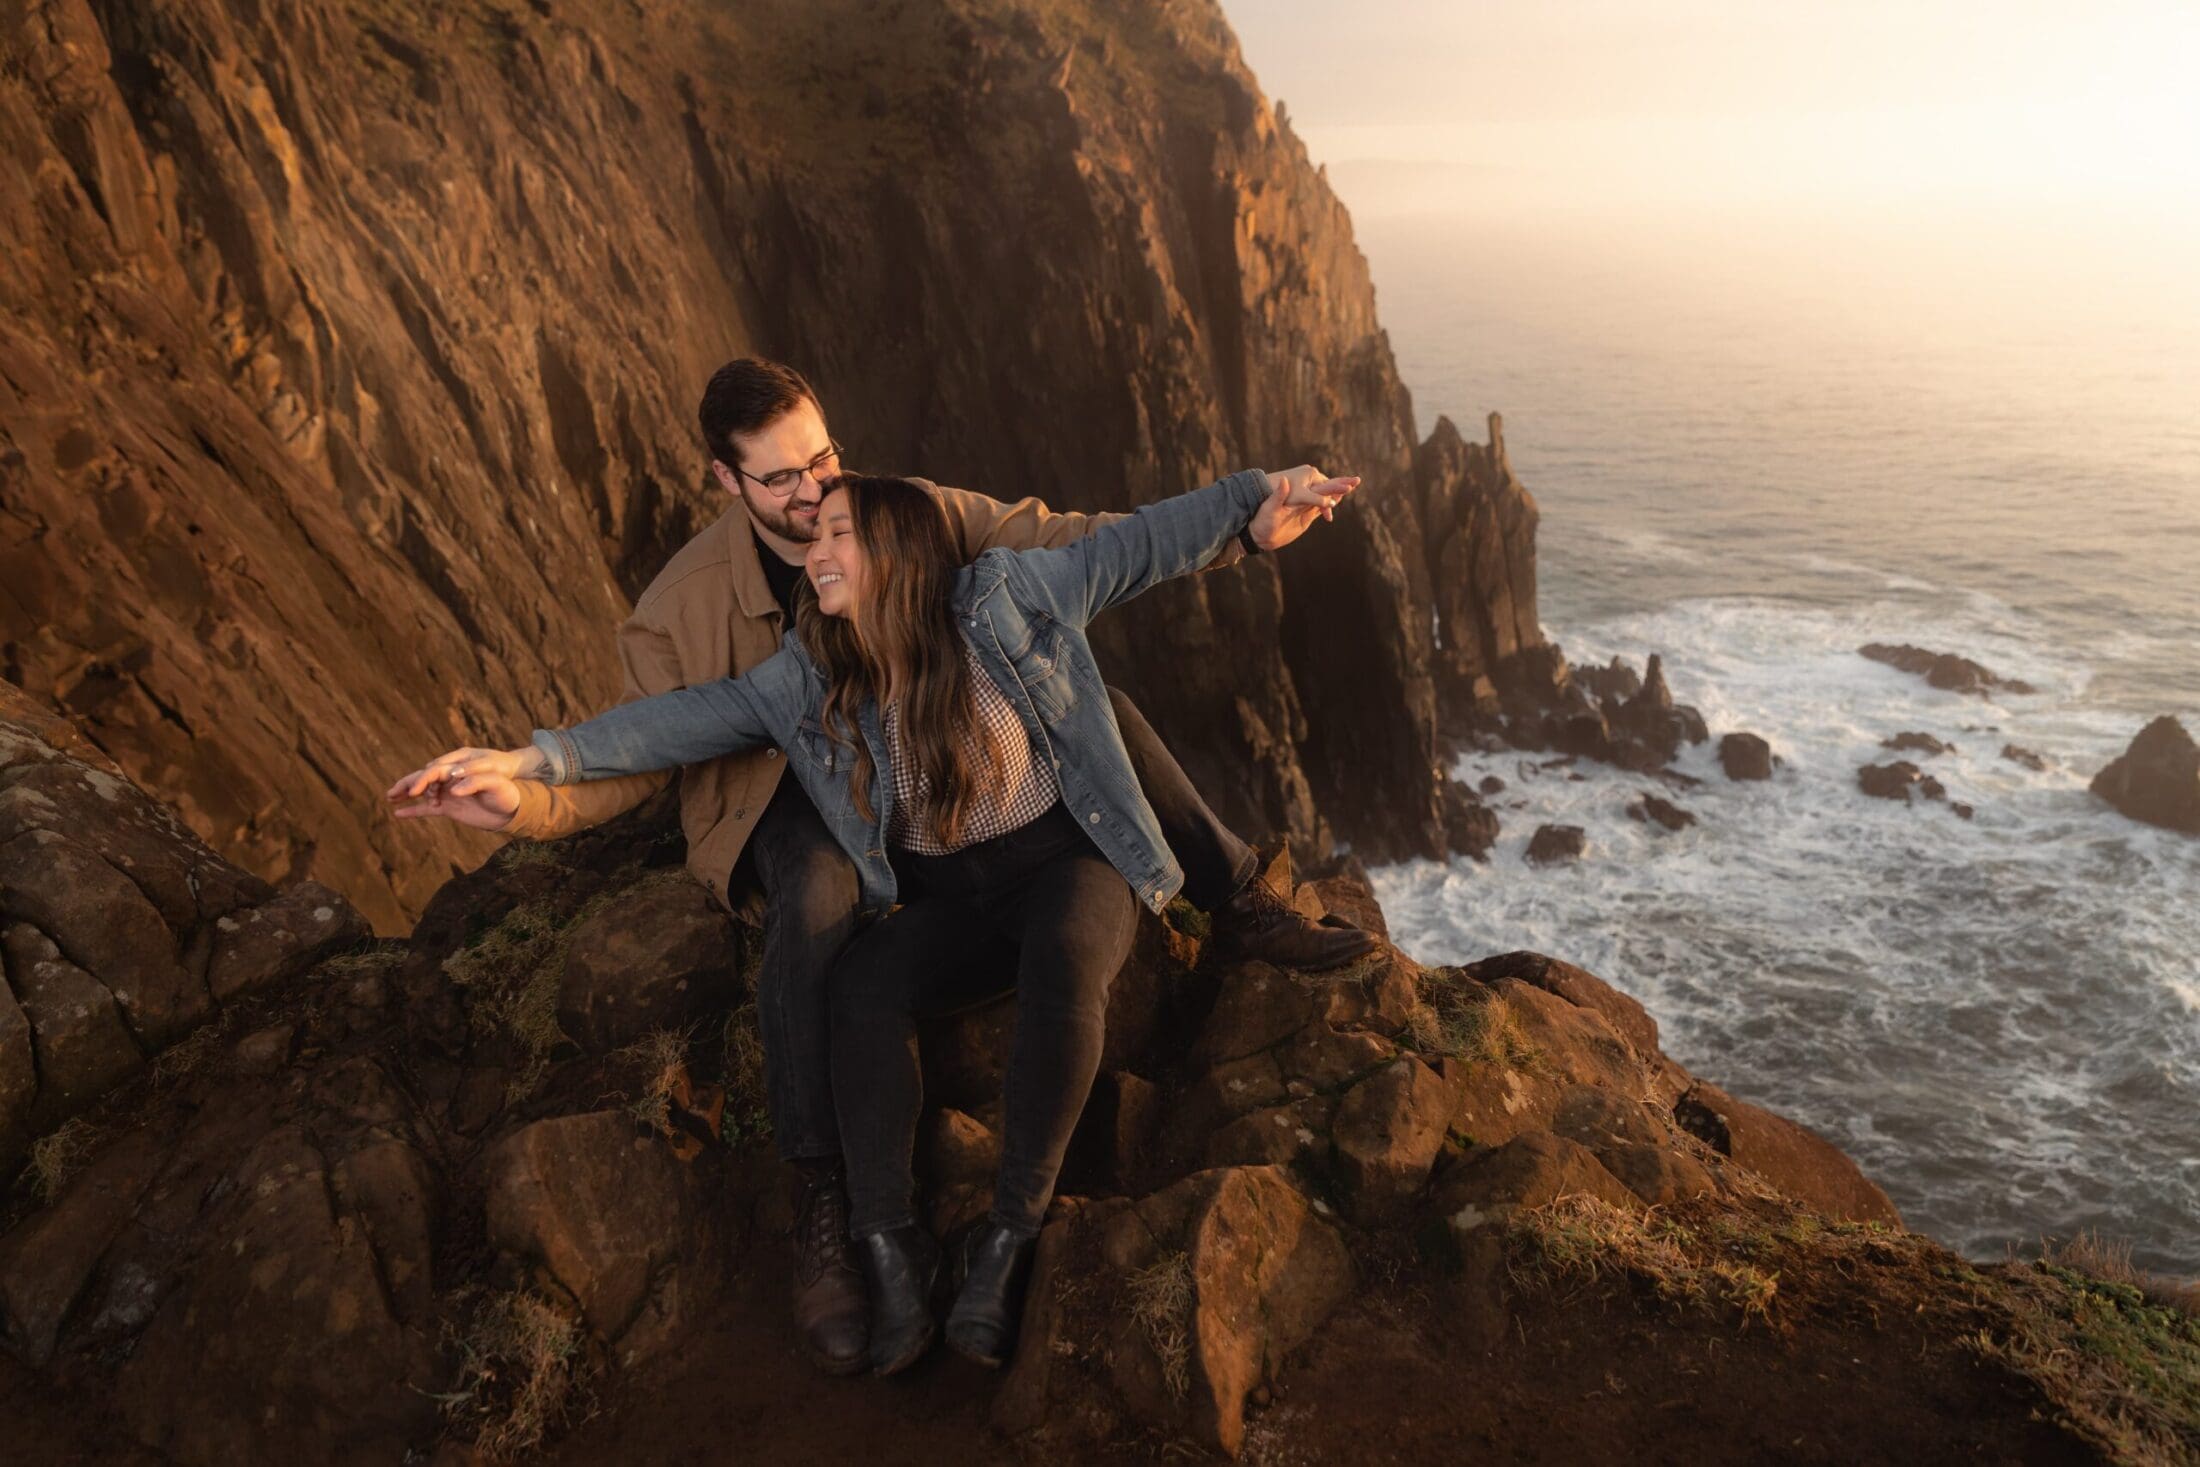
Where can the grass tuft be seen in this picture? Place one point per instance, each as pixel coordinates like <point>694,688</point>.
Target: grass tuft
<point>521,1373</point>
<point>1586,1238</point>
<point>659,1060</point>
<point>1161,1304</point>
<point>1458,1016</point>
<point>511,974</point>
<point>747,1119</point>
<point>60,1154</point>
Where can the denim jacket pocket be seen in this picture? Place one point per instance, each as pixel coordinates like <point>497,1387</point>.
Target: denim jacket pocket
<point>1043,667</point>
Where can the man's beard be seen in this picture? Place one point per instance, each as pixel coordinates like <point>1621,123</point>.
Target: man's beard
<point>779,518</point>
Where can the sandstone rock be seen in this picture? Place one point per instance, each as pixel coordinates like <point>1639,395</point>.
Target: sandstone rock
<point>387,1185</point>
<point>1745,756</point>
<point>1790,1156</point>
<point>82,1046</point>
<point>102,921</point>
<point>287,1310</point>
<point>1914,741</point>
<point>1490,784</point>
<point>1553,844</point>
<point>265,1050</point>
<point>1279,1136</point>
<point>1348,897</point>
<point>1387,1132</point>
<point>1658,1174</point>
<point>46,1261</point>
<point>1258,1006</point>
<point>1530,1170</point>
<point>18,1079</point>
<point>2157,779</point>
<point>1579,987</point>
<point>1326,1058</point>
<point>609,1216</point>
<point>1650,809</point>
<point>2018,754</point>
<point>1114,1133</point>
<point>1943,670</point>
<point>657,959</point>
<point>1260,1272</point>
<point>266,946</point>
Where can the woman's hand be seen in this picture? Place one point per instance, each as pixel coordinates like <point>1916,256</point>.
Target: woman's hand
<point>1296,498</point>
<point>476,787</point>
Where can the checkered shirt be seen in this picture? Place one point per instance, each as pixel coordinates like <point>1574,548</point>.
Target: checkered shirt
<point>1027,789</point>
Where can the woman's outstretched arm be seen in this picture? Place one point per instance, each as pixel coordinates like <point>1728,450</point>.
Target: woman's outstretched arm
<point>1119,560</point>
<point>684,726</point>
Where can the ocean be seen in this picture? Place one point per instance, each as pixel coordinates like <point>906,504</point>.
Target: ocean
<point>1758,445</point>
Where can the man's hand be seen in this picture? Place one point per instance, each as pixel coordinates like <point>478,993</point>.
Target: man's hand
<point>474,787</point>
<point>1296,498</point>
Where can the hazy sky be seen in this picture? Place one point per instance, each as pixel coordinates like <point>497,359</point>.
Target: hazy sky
<point>1798,101</point>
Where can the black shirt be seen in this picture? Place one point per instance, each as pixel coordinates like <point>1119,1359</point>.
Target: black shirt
<point>784,579</point>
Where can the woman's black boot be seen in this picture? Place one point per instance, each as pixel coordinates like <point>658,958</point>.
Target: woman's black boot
<point>904,1265</point>
<point>982,1325</point>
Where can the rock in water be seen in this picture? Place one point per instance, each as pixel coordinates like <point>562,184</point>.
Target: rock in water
<point>1916,742</point>
<point>1944,669</point>
<point>2157,779</point>
<point>2018,754</point>
<point>1652,809</point>
<point>1552,844</point>
<point>1889,781</point>
<point>1745,756</point>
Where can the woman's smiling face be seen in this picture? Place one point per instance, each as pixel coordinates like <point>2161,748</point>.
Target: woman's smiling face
<point>835,561</point>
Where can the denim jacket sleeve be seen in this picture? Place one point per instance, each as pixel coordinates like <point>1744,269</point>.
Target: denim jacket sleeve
<point>1115,562</point>
<point>684,726</point>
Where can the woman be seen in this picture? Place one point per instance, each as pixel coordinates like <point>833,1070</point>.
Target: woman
<point>951,726</point>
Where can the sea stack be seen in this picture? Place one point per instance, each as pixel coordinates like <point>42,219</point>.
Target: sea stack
<point>2157,779</point>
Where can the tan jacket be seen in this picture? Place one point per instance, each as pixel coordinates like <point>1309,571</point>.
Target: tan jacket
<point>710,614</point>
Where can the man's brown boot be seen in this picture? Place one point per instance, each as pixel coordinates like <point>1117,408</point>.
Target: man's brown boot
<point>830,1313</point>
<point>1258,924</point>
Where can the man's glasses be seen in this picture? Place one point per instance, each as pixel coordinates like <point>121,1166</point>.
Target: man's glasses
<point>781,482</point>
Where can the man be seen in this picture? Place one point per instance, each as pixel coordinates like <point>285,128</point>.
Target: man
<point>718,609</point>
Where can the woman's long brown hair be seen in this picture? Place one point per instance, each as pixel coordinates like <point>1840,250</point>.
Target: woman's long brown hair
<point>902,636</point>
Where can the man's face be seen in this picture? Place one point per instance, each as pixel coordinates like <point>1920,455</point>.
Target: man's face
<point>791,441</point>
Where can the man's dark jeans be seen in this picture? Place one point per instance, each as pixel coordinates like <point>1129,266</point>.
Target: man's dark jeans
<point>1043,887</point>
<point>810,896</point>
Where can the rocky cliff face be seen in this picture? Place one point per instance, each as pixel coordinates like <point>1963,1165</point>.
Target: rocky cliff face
<point>352,349</point>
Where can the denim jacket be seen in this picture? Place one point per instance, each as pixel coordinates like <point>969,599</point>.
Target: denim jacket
<point>1024,612</point>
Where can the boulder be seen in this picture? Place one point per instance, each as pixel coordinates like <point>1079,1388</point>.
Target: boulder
<point>47,1260</point>
<point>1653,810</point>
<point>18,1078</point>
<point>1889,781</point>
<point>1915,741</point>
<point>2030,759</point>
<point>1579,987</point>
<point>1175,1308</point>
<point>1470,827</point>
<point>1790,1156</point>
<point>611,1218</point>
<point>82,1046</point>
<point>287,1311</point>
<point>1258,1006</point>
<point>2157,779</point>
<point>1387,1132</point>
<point>261,948</point>
<point>1745,756</point>
<point>959,1158</point>
<point>1554,844</point>
<point>99,918</point>
<point>658,957</point>
<point>1530,1170</point>
<point>1348,898</point>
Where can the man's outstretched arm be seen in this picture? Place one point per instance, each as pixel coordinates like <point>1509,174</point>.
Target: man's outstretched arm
<point>984,523</point>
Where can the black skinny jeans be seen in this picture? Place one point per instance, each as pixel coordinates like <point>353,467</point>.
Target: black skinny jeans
<point>1046,888</point>
<point>810,895</point>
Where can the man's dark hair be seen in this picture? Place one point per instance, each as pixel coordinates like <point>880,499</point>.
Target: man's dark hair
<point>745,396</point>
